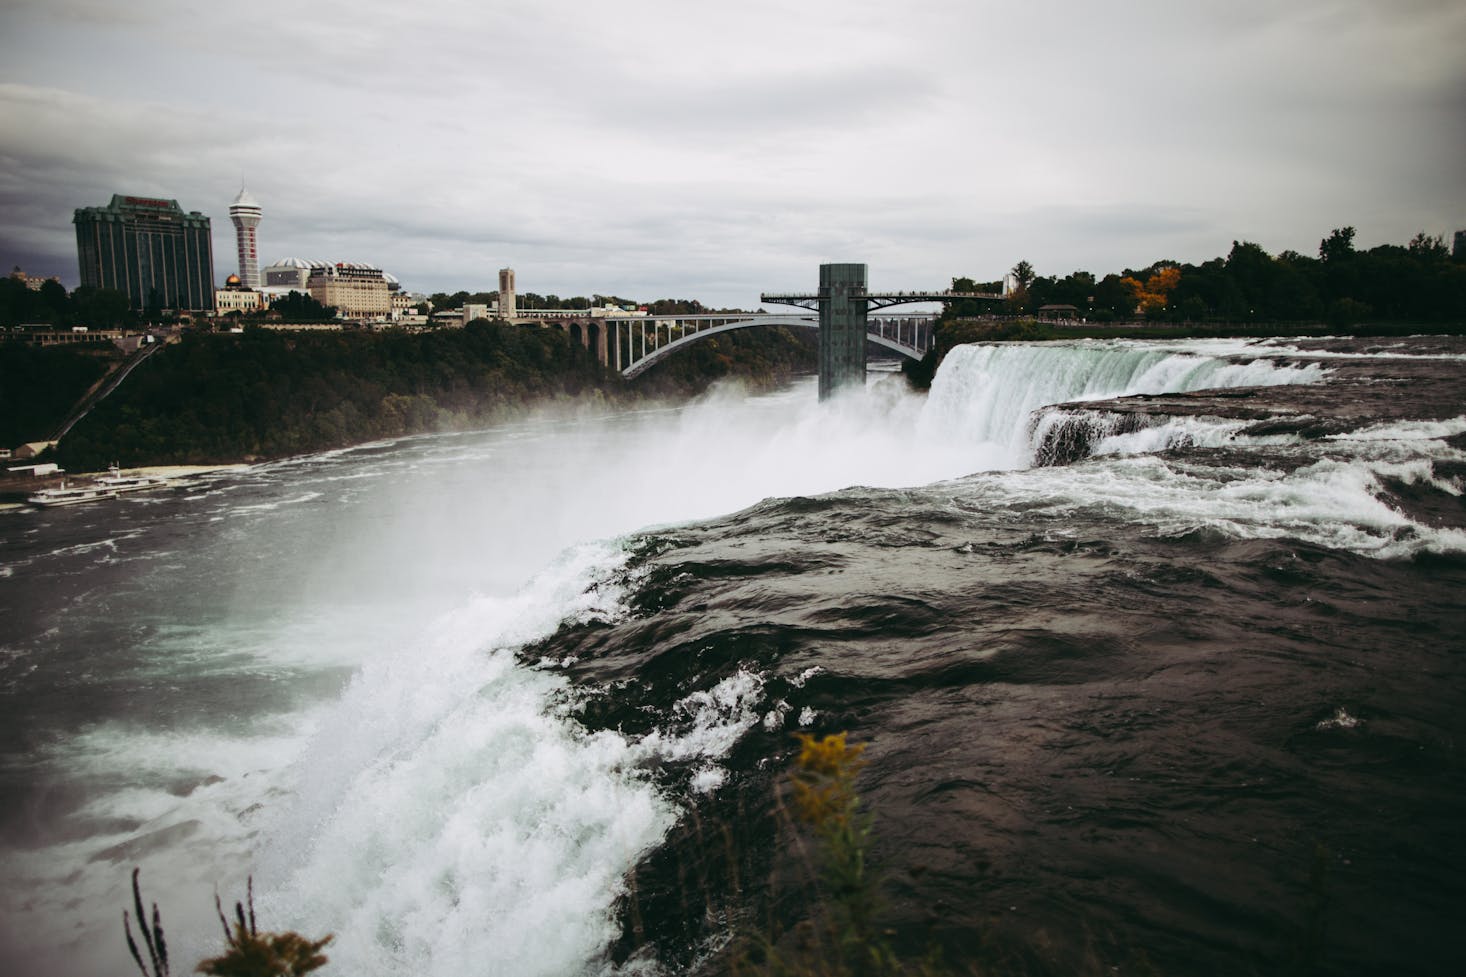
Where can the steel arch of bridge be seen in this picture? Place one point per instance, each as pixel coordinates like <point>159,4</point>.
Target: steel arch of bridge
<point>910,336</point>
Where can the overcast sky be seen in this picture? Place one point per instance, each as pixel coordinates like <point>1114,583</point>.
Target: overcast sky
<point>650,149</point>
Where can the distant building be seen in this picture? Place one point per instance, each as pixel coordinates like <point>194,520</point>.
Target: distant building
<point>506,293</point>
<point>291,273</point>
<point>355,291</point>
<point>148,249</point>
<point>1058,311</point>
<point>235,297</point>
<point>32,282</point>
<point>1458,250</point>
<point>30,450</point>
<point>245,212</point>
<point>402,302</point>
<point>611,311</point>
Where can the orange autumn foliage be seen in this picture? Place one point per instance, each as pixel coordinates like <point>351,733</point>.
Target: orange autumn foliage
<point>1156,290</point>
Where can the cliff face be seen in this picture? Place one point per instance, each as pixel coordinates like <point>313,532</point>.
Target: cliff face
<point>219,398</point>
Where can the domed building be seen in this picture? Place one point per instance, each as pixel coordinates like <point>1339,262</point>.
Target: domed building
<point>291,273</point>
<point>236,296</point>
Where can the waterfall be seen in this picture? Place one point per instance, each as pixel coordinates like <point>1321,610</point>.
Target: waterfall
<point>988,395</point>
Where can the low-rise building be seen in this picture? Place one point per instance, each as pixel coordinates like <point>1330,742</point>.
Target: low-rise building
<point>403,303</point>
<point>355,291</point>
<point>610,311</point>
<point>235,297</point>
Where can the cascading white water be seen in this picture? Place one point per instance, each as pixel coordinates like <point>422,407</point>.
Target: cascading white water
<point>984,395</point>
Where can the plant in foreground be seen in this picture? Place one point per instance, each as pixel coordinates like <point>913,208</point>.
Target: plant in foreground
<point>250,953</point>
<point>825,799</point>
<point>841,938</point>
<point>153,939</point>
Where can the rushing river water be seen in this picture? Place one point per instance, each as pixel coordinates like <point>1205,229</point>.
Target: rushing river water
<point>471,701</point>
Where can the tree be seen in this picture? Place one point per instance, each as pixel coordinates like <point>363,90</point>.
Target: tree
<point>1023,274</point>
<point>100,307</point>
<point>1114,297</point>
<point>1338,245</point>
<point>1429,248</point>
<point>300,307</point>
<point>54,298</point>
<point>1151,297</point>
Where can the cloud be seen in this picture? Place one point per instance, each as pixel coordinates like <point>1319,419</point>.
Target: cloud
<point>644,146</point>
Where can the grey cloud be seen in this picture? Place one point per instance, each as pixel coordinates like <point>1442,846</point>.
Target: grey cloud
<point>649,147</point>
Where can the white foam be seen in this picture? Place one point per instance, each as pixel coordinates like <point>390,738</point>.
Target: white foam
<point>983,395</point>
<point>1188,432</point>
<point>1332,502</point>
<point>710,722</point>
<point>1405,431</point>
<point>1339,720</point>
<point>272,506</point>
<point>448,820</point>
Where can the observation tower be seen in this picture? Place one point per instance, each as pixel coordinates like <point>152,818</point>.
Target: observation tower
<point>245,212</point>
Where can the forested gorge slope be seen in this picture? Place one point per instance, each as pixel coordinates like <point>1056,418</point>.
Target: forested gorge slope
<point>264,394</point>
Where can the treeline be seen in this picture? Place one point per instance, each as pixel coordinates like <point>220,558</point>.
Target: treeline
<point>52,305</point>
<point>1343,287</point>
<point>263,394</point>
<point>1249,292</point>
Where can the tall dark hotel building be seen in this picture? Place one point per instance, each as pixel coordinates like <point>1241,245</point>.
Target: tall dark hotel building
<point>148,249</point>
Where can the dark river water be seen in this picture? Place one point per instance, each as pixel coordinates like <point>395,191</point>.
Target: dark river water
<point>1169,676</point>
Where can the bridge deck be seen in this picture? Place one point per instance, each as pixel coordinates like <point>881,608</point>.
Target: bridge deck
<point>793,298</point>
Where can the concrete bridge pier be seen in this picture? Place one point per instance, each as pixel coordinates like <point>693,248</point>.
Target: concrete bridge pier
<point>602,353</point>
<point>843,315</point>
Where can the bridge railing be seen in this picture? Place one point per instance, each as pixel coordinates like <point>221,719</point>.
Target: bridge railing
<point>912,331</point>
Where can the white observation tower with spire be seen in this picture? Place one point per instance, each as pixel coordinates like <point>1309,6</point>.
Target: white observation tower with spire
<point>245,212</point>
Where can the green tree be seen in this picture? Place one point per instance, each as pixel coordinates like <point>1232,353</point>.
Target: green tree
<point>104,308</point>
<point>1338,245</point>
<point>1428,248</point>
<point>301,307</point>
<point>55,300</point>
<point>1023,274</point>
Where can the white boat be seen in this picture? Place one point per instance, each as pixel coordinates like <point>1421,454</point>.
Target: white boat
<point>62,495</point>
<point>115,481</point>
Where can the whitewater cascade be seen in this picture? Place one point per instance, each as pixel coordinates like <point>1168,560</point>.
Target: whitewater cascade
<point>989,395</point>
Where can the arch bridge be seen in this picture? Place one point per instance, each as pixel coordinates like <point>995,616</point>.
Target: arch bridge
<point>634,344</point>
<point>840,311</point>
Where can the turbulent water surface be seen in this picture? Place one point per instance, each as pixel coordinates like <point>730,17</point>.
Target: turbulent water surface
<point>1157,649</point>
